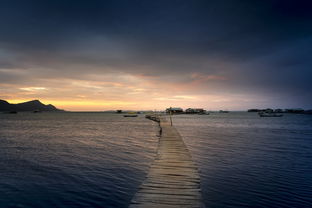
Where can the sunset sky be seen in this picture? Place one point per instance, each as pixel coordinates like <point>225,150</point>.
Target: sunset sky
<point>106,55</point>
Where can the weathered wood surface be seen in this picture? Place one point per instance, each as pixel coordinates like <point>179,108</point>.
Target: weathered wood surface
<point>173,179</point>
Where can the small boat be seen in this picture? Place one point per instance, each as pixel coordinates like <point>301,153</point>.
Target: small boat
<point>13,112</point>
<point>264,114</point>
<point>131,114</point>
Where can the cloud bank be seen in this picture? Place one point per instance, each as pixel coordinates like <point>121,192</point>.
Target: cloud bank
<point>150,54</point>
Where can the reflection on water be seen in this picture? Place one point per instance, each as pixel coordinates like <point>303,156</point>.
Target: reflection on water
<point>248,161</point>
<point>73,159</point>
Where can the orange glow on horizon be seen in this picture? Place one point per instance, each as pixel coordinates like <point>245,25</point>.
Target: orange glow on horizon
<point>131,92</point>
<point>81,105</point>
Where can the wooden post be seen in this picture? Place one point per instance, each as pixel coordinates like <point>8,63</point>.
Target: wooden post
<point>170,116</point>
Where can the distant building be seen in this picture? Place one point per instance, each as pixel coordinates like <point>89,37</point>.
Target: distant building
<point>278,110</point>
<point>174,110</point>
<point>268,110</point>
<point>194,110</point>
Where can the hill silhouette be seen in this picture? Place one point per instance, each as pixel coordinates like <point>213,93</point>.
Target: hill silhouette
<point>34,105</point>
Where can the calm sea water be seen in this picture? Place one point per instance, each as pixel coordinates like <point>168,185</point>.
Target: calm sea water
<point>73,159</point>
<point>248,161</point>
<point>99,160</point>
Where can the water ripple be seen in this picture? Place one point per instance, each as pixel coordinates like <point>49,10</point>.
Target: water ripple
<point>73,159</point>
<point>248,161</point>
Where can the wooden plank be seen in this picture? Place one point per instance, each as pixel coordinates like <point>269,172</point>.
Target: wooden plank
<point>173,180</point>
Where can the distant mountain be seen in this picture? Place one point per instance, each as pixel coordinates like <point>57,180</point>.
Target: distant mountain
<point>4,105</point>
<point>34,105</point>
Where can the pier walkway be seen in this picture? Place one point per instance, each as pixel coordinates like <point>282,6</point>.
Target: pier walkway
<point>173,179</point>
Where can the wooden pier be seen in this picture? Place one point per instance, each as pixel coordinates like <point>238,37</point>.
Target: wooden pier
<point>173,179</point>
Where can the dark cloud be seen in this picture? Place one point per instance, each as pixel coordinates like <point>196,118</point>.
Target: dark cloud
<point>261,45</point>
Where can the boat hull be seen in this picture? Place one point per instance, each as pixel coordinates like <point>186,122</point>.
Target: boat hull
<point>130,115</point>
